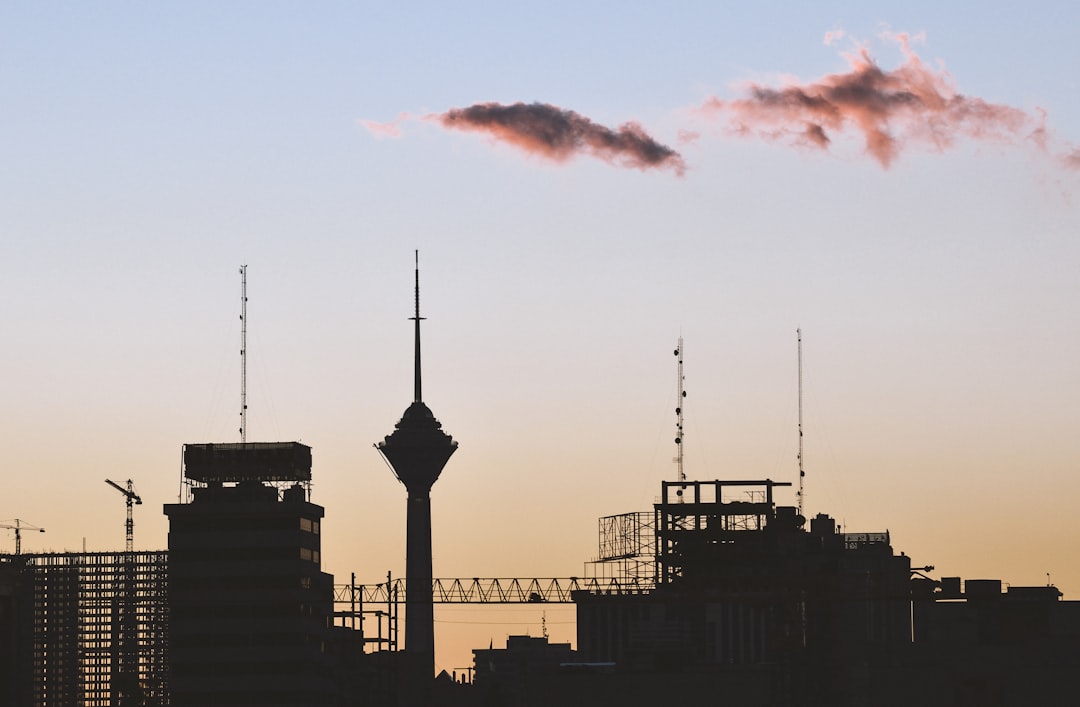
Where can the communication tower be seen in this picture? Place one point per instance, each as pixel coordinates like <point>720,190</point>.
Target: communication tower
<point>416,451</point>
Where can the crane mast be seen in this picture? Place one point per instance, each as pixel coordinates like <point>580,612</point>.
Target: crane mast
<point>18,527</point>
<point>130,498</point>
<point>125,651</point>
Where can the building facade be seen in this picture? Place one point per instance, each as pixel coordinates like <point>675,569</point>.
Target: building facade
<point>249,604</point>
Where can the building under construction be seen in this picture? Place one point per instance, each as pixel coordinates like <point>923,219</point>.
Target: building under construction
<point>723,596</point>
<point>86,629</point>
<point>749,601</point>
<point>236,612</point>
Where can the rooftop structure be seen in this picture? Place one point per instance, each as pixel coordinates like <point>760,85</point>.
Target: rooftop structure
<point>247,461</point>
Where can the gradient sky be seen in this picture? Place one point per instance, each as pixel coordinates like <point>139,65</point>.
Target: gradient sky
<point>150,149</point>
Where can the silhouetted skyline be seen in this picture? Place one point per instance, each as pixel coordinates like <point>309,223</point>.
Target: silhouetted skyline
<point>149,151</point>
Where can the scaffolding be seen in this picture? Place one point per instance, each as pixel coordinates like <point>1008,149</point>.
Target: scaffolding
<point>696,517</point>
<point>355,603</point>
<point>99,629</point>
<point>627,550</point>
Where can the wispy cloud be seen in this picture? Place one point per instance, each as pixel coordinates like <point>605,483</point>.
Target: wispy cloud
<point>390,129</point>
<point>913,104</point>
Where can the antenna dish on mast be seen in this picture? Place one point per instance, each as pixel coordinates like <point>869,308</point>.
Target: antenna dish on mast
<point>679,417</point>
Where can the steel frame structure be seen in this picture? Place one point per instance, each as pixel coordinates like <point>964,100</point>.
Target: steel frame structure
<point>707,511</point>
<point>100,627</point>
<point>627,549</point>
<point>502,590</point>
<point>350,601</point>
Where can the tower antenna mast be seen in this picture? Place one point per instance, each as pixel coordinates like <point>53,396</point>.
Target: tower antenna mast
<point>417,393</point>
<point>802,472</point>
<point>243,353</point>
<point>679,415</point>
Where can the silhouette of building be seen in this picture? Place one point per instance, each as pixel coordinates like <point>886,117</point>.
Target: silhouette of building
<point>86,628</point>
<point>417,450</point>
<point>985,647</point>
<point>509,675</point>
<point>718,595</point>
<point>746,605</point>
<point>15,664</point>
<point>250,607</point>
<point>746,596</point>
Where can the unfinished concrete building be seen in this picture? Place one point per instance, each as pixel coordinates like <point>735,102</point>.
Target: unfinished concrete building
<point>749,600</point>
<point>85,629</point>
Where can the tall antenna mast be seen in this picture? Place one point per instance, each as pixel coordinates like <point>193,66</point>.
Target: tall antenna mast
<point>679,415</point>
<point>417,397</point>
<point>802,473</point>
<point>243,353</point>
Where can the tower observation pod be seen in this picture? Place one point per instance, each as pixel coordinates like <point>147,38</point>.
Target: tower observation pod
<point>416,451</point>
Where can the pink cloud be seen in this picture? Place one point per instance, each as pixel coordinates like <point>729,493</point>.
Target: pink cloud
<point>390,129</point>
<point>559,134</point>
<point>889,109</point>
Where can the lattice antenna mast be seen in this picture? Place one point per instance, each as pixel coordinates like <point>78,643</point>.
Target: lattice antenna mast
<point>802,472</point>
<point>243,353</point>
<point>417,393</point>
<point>679,413</point>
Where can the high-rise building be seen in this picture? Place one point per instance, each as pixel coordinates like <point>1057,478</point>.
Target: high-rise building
<point>250,608</point>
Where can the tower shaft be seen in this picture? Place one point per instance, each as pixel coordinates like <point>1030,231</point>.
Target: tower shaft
<point>419,610</point>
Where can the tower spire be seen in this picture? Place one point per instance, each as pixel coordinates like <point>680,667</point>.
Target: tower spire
<point>417,392</point>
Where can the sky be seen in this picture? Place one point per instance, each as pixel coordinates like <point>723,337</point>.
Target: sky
<point>927,247</point>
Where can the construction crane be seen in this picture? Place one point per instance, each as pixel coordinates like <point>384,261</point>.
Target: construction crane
<point>131,498</point>
<point>18,528</point>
